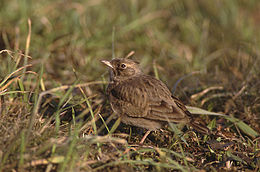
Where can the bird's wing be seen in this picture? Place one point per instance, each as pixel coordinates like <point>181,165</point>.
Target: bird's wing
<point>149,98</point>
<point>163,106</point>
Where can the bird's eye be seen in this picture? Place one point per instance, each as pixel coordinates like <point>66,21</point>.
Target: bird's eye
<point>123,66</point>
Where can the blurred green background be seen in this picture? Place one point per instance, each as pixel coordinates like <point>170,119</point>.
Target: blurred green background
<point>214,37</point>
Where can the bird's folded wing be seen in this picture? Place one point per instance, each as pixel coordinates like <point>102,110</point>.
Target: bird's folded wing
<point>162,105</point>
<point>167,112</point>
<point>148,98</point>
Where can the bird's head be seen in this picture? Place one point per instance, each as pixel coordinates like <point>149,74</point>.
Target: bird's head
<point>122,68</point>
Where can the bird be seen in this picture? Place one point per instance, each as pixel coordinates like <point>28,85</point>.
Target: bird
<point>142,100</point>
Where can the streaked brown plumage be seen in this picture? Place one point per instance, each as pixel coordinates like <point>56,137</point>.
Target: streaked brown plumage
<point>142,100</point>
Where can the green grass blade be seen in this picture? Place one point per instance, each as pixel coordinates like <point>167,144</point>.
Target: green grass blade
<point>243,126</point>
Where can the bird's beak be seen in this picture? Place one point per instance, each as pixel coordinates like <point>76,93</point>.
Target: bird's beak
<point>107,63</point>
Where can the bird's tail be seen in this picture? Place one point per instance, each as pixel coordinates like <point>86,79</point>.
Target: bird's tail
<point>199,127</point>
